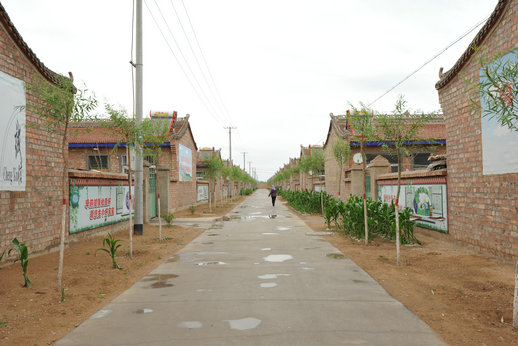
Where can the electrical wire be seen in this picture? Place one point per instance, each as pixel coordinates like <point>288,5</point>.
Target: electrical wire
<point>205,62</point>
<point>207,99</point>
<point>181,66</point>
<point>209,87</point>
<point>430,60</point>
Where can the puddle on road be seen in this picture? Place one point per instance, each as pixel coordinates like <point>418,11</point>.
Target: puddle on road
<point>269,233</point>
<point>210,263</point>
<point>144,311</point>
<point>173,259</point>
<point>266,249</point>
<point>307,268</point>
<point>201,253</point>
<point>272,216</point>
<point>278,258</point>
<point>190,324</point>
<point>281,228</point>
<point>207,243</point>
<point>268,284</point>
<point>271,276</point>
<point>212,235</point>
<point>203,290</point>
<point>359,281</point>
<point>160,280</point>
<point>244,323</point>
<point>256,213</point>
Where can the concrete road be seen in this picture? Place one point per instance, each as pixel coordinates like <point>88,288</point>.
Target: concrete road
<point>258,278</point>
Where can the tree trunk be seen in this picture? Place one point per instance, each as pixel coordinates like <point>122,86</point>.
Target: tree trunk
<point>65,188</point>
<point>365,217</point>
<point>157,190</point>
<point>128,155</point>
<point>398,242</point>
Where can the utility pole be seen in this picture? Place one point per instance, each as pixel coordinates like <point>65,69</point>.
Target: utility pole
<point>138,227</point>
<point>250,168</point>
<point>230,128</point>
<point>244,165</point>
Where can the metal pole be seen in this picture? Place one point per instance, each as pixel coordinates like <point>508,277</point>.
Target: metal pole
<point>250,168</point>
<point>244,164</point>
<point>139,176</point>
<point>230,150</point>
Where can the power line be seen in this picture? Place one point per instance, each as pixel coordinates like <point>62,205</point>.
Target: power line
<point>181,66</point>
<point>430,60</point>
<point>198,63</point>
<point>186,62</point>
<point>205,62</point>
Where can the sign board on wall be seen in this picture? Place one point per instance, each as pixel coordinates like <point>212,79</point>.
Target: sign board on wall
<point>427,202</point>
<point>203,193</point>
<point>184,163</point>
<point>12,134</point>
<point>93,206</point>
<point>499,143</point>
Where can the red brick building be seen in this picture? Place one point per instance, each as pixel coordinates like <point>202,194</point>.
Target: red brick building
<point>339,129</point>
<point>91,148</point>
<point>482,206</point>
<point>33,212</point>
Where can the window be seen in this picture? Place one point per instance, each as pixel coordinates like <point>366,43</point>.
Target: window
<point>98,162</point>
<point>420,161</point>
<point>150,159</point>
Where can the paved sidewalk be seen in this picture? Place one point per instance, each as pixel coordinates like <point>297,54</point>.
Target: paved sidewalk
<point>259,278</point>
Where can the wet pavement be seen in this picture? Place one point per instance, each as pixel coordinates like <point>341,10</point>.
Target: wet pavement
<point>257,277</point>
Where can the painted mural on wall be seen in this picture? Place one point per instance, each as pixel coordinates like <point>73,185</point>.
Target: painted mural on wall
<point>12,134</point>
<point>427,202</point>
<point>202,193</point>
<point>93,206</point>
<point>184,163</point>
<point>499,143</point>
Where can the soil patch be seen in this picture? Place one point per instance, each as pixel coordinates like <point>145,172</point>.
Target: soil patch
<point>203,210</point>
<point>35,316</point>
<point>465,296</point>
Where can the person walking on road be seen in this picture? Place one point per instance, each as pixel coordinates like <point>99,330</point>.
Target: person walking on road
<point>273,194</point>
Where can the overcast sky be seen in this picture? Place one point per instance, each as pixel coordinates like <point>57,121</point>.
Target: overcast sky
<point>279,66</point>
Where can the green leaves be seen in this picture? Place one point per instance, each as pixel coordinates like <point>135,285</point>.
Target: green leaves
<point>23,257</point>
<point>110,246</point>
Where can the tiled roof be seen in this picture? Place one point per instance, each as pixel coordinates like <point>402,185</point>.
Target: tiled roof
<point>94,132</point>
<point>17,38</point>
<point>445,78</point>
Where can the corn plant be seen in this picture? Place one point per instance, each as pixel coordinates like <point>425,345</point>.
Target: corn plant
<point>192,209</point>
<point>110,246</point>
<point>23,257</point>
<point>169,217</point>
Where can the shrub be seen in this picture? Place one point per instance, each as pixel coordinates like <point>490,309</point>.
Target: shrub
<point>192,209</point>
<point>169,217</point>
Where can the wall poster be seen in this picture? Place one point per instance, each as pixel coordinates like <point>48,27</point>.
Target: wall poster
<point>202,193</point>
<point>184,163</point>
<point>427,202</point>
<point>12,134</point>
<point>93,206</point>
<point>499,143</point>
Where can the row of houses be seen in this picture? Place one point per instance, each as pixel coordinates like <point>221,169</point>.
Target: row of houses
<point>32,163</point>
<point>474,199</point>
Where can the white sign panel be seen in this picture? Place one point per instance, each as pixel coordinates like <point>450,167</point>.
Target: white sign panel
<point>427,202</point>
<point>97,206</point>
<point>203,193</point>
<point>12,134</point>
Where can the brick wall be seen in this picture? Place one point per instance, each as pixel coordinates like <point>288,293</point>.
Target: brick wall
<point>182,193</point>
<point>483,210</point>
<point>33,215</point>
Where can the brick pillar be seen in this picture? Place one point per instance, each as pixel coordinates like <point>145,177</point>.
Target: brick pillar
<point>377,167</point>
<point>356,180</point>
<point>163,174</point>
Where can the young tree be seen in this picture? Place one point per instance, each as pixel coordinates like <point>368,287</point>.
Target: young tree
<point>312,164</point>
<point>398,132</point>
<point>59,104</point>
<point>363,130</point>
<point>341,153</point>
<point>154,134</point>
<point>127,132</point>
<point>214,165</point>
